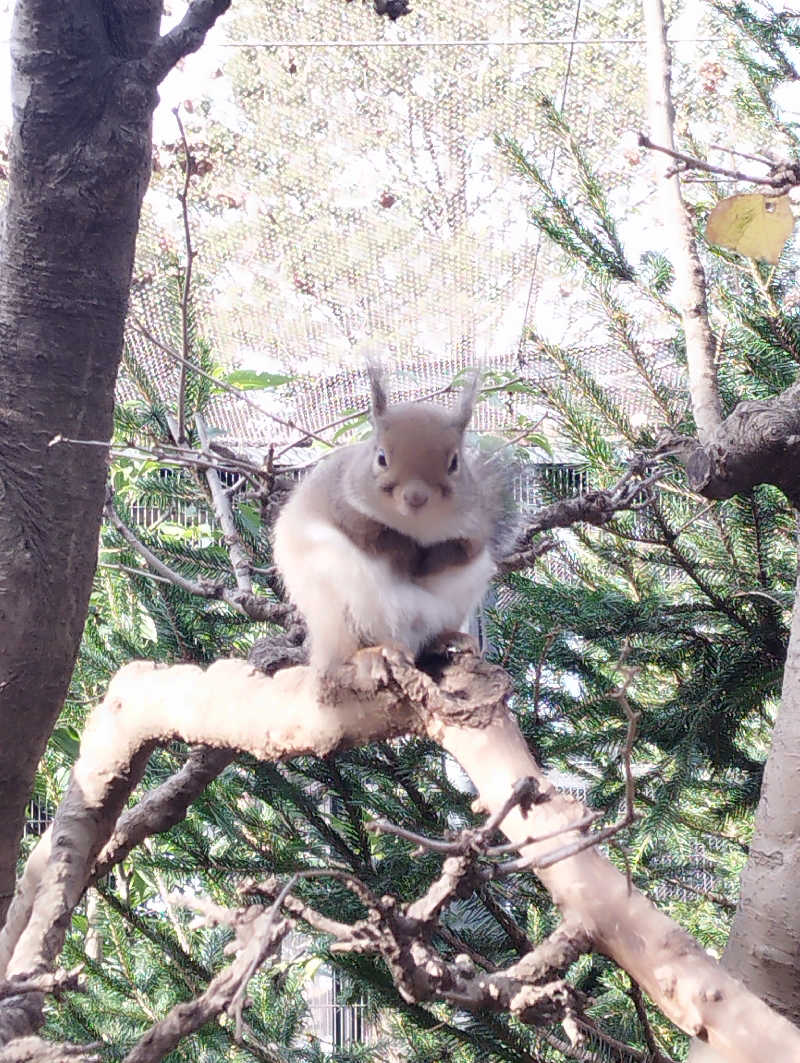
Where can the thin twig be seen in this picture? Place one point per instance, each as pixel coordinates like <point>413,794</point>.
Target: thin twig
<point>632,491</point>
<point>240,559</point>
<point>655,1053</point>
<point>259,933</point>
<point>578,824</point>
<point>783,177</point>
<point>762,159</point>
<point>169,455</point>
<point>251,605</point>
<point>695,516</point>
<point>709,895</point>
<point>548,642</point>
<point>229,388</point>
<point>183,197</point>
<point>633,716</point>
<point>629,816</point>
<point>134,571</point>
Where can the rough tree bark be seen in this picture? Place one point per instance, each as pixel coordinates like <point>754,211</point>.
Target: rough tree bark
<point>759,442</point>
<point>83,90</point>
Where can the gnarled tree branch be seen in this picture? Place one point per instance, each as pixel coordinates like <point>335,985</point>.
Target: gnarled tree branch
<point>381,694</point>
<point>759,442</point>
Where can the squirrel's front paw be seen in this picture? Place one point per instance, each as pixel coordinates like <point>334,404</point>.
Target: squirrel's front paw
<point>366,671</point>
<point>373,663</point>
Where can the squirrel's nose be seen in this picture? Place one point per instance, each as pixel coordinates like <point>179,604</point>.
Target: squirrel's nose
<point>415,497</point>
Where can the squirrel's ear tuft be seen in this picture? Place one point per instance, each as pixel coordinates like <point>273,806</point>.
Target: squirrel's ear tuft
<point>466,402</point>
<point>379,401</point>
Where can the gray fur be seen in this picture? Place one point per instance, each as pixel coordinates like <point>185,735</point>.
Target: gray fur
<point>393,538</point>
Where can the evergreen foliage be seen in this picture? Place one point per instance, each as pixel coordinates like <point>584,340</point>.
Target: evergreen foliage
<point>696,597</point>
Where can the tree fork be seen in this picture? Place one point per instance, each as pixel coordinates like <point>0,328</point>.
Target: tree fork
<point>381,694</point>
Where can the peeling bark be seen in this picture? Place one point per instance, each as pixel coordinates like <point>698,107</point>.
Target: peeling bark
<point>378,696</point>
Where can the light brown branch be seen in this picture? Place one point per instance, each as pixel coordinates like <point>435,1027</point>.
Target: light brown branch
<point>780,179</point>
<point>163,807</point>
<point>531,989</point>
<point>35,1050</point>
<point>381,695</point>
<point>259,934</point>
<point>186,285</point>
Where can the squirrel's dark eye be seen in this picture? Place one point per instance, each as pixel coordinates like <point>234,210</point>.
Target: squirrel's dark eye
<point>453,466</point>
<point>382,460</point>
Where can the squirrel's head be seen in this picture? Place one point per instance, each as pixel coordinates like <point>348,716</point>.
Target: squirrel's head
<point>418,481</point>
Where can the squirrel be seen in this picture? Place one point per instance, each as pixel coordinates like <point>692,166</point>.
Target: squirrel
<point>391,540</point>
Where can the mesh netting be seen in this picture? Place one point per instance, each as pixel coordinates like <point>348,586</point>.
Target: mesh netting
<point>350,196</point>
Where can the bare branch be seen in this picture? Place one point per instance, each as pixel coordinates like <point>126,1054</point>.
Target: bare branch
<point>382,694</point>
<point>178,456</point>
<point>594,507</point>
<point>655,1053</point>
<point>555,856</point>
<point>163,807</point>
<point>476,842</point>
<point>251,605</point>
<point>223,509</point>
<point>716,898</point>
<point>530,989</point>
<point>182,39</point>
<point>186,281</point>
<point>620,694</point>
<point>781,178</point>
<point>258,935</point>
<point>550,638</point>
<point>35,1050</point>
<point>690,282</point>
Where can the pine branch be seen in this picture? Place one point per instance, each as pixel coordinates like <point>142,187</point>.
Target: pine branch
<point>248,604</point>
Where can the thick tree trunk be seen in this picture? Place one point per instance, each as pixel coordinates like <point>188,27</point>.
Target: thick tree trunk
<point>83,91</point>
<point>764,946</point>
<point>79,165</point>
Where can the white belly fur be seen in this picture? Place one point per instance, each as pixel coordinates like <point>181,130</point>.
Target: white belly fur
<point>349,599</point>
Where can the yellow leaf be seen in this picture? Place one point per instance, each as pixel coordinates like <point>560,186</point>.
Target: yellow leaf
<point>755,225</point>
